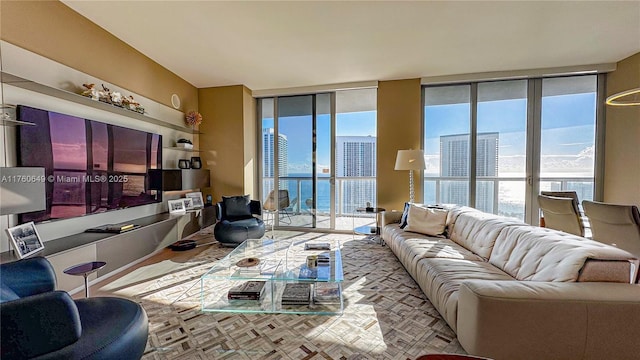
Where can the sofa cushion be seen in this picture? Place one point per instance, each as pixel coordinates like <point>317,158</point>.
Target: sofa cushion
<point>477,231</point>
<point>541,254</point>
<point>424,220</point>
<point>410,248</point>
<point>440,280</point>
<point>237,206</point>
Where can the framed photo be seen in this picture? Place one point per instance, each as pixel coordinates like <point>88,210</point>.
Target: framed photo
<point>176,206</point>
<point>25,239</point>
<point>188,203</point>
<point>196,197</point>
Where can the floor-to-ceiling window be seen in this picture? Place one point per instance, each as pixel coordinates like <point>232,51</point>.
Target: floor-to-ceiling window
<point>522,135</point>
<point>320,150</point>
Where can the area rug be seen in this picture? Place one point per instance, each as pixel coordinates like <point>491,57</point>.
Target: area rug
<point>386,315</point>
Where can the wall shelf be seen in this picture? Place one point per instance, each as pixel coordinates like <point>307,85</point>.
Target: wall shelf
<point>5,117</point>
<point>180,149</point>
<point>9,122</point>
<point>17,81</point>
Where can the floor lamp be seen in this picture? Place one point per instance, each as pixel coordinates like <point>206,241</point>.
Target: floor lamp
<point>410,160</point>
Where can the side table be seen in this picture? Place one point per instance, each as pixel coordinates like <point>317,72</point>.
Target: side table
<point>370,230</point>
<point>85,269</point>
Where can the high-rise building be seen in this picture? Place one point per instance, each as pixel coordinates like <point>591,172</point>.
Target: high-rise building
<point>268,152</point>
<point>454,162</point>
<point>356,157</point>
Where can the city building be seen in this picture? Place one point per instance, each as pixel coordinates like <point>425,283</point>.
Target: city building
<point>454,162</point>
<point>356,157</point>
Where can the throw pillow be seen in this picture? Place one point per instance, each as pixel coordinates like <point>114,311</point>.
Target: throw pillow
<point>236,206</point>
<point>428,221</point>
<point>405,214</point>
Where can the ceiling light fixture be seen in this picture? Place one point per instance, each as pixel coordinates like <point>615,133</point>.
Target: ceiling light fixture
<point>625,98</point>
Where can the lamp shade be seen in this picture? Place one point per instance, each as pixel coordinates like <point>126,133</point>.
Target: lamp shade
<point>410,160</point>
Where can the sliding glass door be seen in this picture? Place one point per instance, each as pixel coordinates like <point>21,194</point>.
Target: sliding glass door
<point>319,151</point>
<point>296,135</point>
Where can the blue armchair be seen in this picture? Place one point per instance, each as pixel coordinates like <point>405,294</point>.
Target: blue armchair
<point>236,221</point>
<point>41,323</point>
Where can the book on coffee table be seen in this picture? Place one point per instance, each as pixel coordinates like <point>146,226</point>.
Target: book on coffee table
<point>326,293</point>
<point>250,290</point>
<point>296,294</point>
<point>317,246</point>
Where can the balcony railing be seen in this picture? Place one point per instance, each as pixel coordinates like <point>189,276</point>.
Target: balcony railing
<point>508,200</point>
<point>350,193</point>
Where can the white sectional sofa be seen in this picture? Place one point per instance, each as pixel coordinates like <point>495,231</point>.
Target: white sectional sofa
<point>512,291</point>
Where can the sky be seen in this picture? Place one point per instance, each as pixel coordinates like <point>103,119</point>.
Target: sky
<point>567,128</point>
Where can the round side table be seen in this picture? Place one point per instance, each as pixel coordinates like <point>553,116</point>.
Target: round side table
<point>85,269</point>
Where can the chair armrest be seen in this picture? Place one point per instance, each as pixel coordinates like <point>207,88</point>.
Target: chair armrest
<point>219,211</point>
<point>28,276</point>
<point>390,217</point>
<point>535,319</point>
<point>38,324</point>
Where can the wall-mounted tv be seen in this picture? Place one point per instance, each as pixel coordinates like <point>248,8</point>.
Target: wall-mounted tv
<point>90,167</point>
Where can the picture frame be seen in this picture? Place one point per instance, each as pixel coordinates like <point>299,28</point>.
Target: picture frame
<point>25,239</point>
<point>176,206</point>
<point>188,203</point>
<point>198,202</point>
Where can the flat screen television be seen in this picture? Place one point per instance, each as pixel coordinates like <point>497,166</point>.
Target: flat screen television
<point>90,167</point>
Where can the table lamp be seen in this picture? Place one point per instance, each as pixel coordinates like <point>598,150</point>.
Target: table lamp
<point>410,160</point>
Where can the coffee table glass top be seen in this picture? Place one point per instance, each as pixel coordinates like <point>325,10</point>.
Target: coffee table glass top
<point>253,259</point>
<point>271,265</point>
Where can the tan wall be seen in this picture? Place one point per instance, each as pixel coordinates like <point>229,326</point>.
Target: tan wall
<point>222,142</point>
<point>622,139</point>
<point>399,127</point>
<point>250,144</point>
<point>53,30</point>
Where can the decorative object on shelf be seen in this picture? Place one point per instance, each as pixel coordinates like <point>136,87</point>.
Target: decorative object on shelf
<point>25,239</point>
<point>193,118</point>
<point>91,91</point>
<point>131,104</point>
<point>196,197</point>
<point>629,97</point>
<point>184,144</point>
<point>209,199</point>
<point>184,164</point>
<point>196,163</point>
<point>410,160</point>
<point>176,206</point>
<point>188,203</point>
<point>175,101</point>
<point>113,98</point>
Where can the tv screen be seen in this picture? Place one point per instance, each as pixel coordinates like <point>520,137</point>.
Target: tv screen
<point>90,167</point>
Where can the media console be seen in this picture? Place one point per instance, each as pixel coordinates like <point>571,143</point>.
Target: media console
<point>119,251</point>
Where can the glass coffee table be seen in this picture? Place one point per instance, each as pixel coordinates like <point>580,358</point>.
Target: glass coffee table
<point>276,276</point>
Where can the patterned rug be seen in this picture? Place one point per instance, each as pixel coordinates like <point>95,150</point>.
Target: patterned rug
<point>386,315</point>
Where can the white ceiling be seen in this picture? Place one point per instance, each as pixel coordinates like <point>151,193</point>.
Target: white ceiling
<point>273,45</point>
